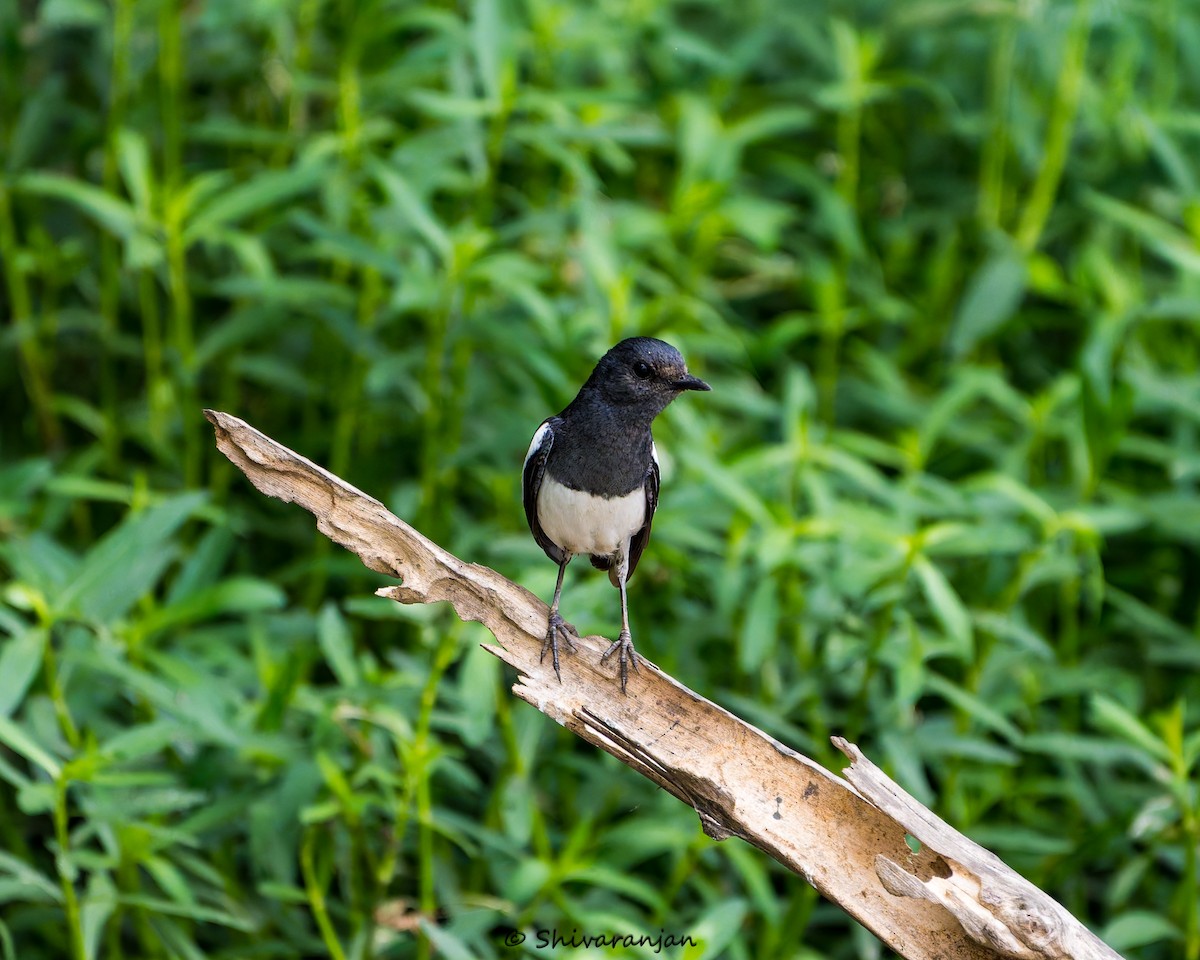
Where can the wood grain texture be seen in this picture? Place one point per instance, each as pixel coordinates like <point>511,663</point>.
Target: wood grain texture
<point>952,899</point>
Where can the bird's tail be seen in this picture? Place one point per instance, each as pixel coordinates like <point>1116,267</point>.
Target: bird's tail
<point>605,563</point>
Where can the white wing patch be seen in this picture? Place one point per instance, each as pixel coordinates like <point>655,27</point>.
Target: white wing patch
<point>582,523</point>
<point>538,439</point>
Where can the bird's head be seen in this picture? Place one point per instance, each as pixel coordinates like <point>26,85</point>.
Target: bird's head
<point>643,373</point>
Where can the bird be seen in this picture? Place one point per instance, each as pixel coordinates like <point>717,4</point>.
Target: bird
<point>591,476</point>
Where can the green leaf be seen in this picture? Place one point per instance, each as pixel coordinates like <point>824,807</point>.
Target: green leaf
<point>414,211</point>
<point>1008,840</point>
<point>478,684</point>
<point>522,883</point>
<point>1109,715</point>
<point>517,807</point>
<point>110,212</point>
<point>333,635</point>
<point>235,595</point>
<point>445,942</point>
<point>20,661</point>
<point>770,123</point>
<point>206,561</point>
<point>444,106</point>
<point>337,783</point>
<point>488,40</point>
<point>348,247</point>
<point>946,606</point>
<point>1165,239</point>
<point>73,14</point>
<point>1137,928</point>
<point>989,302</point>
<point>169,879</point>
<point>706,155</point>
<point>133,157</point>
<point>599,875</point>
<point>716,928</point>
<point>21,743</point>
<point>1077,746</point>
<point>762,222</point>
<point>978,539</point>
<point>34,127</point>
<point>27,877</point>
<point>20,480</point>
<point>95,909</point>
<point>39,562</point>
<point>283,892</point>
<point>127,563</point>
<point>144,740</point>
<point>974,707</point>
<point>760,630</point>
<point>191,911</point>
<point>260,193</point>
<point>1145,619</point>
<point>79,487</point>
<point>755,872</point>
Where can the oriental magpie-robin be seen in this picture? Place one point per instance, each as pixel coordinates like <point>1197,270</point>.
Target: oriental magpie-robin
<point>590,482</point>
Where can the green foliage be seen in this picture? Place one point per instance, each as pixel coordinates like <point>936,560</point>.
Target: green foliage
<point>940,262</point>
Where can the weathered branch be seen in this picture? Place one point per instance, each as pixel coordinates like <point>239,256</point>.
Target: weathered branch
<point>950,899</point>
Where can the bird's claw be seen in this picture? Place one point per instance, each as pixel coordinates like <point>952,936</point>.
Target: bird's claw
<point>626,656</point>
<point>556,627</point>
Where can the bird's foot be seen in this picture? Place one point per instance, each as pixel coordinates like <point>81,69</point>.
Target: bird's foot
<point>626,656</point>
<point>556,627</point>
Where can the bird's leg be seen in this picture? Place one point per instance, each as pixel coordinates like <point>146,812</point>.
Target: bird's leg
<point>555,626</point>
<point>623,645</point>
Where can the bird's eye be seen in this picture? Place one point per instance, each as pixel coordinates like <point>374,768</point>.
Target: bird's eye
<point>641,370</point>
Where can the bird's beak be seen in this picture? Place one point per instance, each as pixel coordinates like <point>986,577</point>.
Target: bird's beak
<point>688,382</point>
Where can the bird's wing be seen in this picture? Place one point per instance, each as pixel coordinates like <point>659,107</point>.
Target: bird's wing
<point>531,485</point>
<point>638,541</point>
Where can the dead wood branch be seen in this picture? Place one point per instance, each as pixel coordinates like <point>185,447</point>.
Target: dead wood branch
<point>950,899</point>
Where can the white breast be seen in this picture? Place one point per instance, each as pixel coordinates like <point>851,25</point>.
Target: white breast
<point>582,523</point>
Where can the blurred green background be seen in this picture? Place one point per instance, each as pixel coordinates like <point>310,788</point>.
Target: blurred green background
<point>940,261</point>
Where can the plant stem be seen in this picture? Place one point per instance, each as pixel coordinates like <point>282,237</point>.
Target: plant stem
<point>849,48</point>
<point>65,873</point>
<point>33,369</point>
<point>110,255</point>
<point>170,31</point>
<point>444,654</point>
<point>61,708</point>
<point>316,896</point>
<point>1189,826</point>
<point>1058,134</point>
<point>995,144</point>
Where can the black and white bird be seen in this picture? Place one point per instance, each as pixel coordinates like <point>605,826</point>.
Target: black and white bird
<point>590,483</point>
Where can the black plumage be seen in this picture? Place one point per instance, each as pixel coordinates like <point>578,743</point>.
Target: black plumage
<point>591,479</point>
